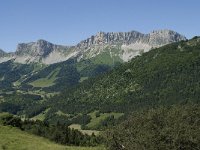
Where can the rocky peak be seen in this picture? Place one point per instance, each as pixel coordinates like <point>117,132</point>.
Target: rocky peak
<point>155,38</point>
<point>164,37</point>
<point>126,44</point>
<point>110,38</point>
<point>123,45</point>
<point>39,48</point>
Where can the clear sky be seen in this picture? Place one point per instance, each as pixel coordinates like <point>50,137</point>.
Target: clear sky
<point>69,21</point>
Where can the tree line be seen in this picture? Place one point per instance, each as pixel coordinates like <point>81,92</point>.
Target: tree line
<point>59,133</point>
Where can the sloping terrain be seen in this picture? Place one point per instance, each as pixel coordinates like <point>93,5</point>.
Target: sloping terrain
<point>42,69</point>
<point>15,139</point>
<point>48,78</point>
<point>174,127</point>
<point>25,87</point>
<point>163,76</point>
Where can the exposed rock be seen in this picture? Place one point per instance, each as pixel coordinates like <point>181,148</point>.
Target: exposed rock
<point>40,48</point>
<point>155,38</point>
<point>39,52</point>
<point>126,45</point>
<point>5,56</point>
<point>129,44</point>
<point>110,38</point>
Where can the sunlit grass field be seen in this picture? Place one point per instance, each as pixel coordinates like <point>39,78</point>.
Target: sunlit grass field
<point>14,139</point>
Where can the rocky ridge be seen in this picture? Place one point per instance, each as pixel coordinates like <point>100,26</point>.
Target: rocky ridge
<point>124,45</point>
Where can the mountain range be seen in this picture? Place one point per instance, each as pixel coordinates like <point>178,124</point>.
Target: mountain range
<point>102,80</point>
<point>43,66</point>
<point>115,46</point>
<point>161,77</point>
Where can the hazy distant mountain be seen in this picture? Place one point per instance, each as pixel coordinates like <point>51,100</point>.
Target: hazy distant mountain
<point>119,46</point>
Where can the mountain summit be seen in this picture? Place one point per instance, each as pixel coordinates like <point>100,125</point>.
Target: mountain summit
<point>120,46</point>
<point>39,48</point>
<point>126,45</point>
<point>155,38</point>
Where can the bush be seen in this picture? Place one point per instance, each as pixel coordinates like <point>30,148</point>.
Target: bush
<point>97,114</point>
<point>162,128</point>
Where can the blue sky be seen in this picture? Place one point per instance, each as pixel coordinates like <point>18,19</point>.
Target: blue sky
<point>69,21</point>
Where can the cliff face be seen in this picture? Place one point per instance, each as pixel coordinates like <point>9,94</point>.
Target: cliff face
<point>111,38</point>
<point>163,37</point>
<point>40,51</point>
<point>39,48</point>
<point>155,38</point>
<point>124,45</point>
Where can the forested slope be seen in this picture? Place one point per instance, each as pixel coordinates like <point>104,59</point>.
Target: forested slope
<point>162,76</point>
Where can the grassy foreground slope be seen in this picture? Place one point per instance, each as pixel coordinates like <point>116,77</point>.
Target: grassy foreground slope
<point>14,139</point>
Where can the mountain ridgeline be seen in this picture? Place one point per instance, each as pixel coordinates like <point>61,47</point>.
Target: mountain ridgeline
<point>43,66</point>
<point>120,46</point>
<point>163,76</point>
<point>149,102</point>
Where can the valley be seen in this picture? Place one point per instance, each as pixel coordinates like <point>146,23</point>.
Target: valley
<point>99,75</point>
<point>98,94</point>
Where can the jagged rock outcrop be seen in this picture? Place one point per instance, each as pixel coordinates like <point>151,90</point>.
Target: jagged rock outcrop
<point>40,51</point>
<point>154,38</point>
<point>111,38</point>
<point>124,45</point>
<point>39,48</point>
